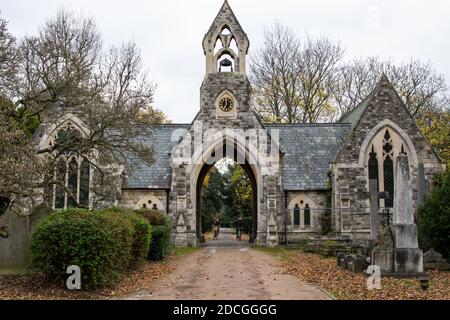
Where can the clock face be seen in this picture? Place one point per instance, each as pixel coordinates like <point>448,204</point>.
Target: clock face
<point>226,104</point>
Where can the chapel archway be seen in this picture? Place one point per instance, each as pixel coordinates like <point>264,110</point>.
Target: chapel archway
<point>238,158</point>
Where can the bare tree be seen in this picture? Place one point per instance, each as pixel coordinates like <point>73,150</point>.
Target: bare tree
<point>8,59</point>
<point>319,63</point>
<point>308,81</point>
<point>421,87</point>
<point>294,80</point>
<point>356,80</point>
<point>65,68</point>
<point>275,75</point>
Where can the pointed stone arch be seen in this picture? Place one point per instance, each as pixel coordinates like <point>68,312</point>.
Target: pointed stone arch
<point>366,145</point>
<point>68,118</point>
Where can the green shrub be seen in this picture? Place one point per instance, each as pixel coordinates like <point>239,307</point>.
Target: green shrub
<point>142,234</point>
<point>103,244</point>
<point>433,217</point>
<point>161,229</point>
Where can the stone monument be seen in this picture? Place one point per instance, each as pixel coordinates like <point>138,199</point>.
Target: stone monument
<point>408,258</point>
<point>398,250</point>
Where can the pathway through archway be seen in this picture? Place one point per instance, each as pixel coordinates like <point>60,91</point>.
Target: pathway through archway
<point>237,272</point>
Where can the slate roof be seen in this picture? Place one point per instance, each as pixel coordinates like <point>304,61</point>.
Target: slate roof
<point>353,116</point>
<point>158,175</point>
<point>308,151</point>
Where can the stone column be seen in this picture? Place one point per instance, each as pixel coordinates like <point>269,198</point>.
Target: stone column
<point>408,258</point>
<point>272,229</point>
<point>272,224</point>
<point>181,236</point>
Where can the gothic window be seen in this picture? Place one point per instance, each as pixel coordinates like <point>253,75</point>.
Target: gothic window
<point>296,215</point>
<point>388,170</point>
<point>234,46</point>
<point>70,187</point>
<point>301,212</point>
<point>373,165</point>
<point>307,215</point>
<point>59,186</point>
<point>84,183</point>
<point>386,146</point>
<point>72,183</point>
<point>218,46</point>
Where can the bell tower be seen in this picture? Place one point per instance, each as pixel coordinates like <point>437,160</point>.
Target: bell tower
<point>225,44</point>
<point>225,91</point>
<point>225,126</point>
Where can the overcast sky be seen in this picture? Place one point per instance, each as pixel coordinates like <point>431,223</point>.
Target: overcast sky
<point>170,32</point>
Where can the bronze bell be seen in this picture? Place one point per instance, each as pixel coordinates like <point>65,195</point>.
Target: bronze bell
<point>226,63</point>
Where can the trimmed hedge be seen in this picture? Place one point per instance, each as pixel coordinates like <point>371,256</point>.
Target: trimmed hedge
<point>104,244</point>
<point>142,234</point>
<point>161,228</point>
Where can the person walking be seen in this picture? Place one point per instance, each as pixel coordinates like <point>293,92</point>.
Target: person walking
<point>216,228</point>
<point>239,227</point>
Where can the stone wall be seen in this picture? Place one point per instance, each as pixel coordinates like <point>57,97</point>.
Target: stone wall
<point>317,202</point>
<point>135,199</point>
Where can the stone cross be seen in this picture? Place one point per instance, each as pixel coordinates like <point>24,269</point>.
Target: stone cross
<point>374,221</point>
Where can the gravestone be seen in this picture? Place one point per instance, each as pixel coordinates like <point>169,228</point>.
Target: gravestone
<point>383,253</point>
<point>14,253</point>
<point>408,258</point>
<point>340,259</point>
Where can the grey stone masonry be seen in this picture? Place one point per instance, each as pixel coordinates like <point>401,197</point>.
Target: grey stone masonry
<point>383,109</point>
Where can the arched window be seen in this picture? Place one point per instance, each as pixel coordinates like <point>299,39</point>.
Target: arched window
<point>218,46</point>
<point>72,184</point>
<point>296,215</point>
<point>84,183</point>
<point>301,211</point>
<point>373,165</point>
<point>71,181</point>
<point>385,147</point>
<point>388,170</point>
<point>233,46</point>
<point>307,215</point>
<point>59,186</point>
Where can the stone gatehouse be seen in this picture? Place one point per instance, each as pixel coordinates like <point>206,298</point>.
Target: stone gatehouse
<point>300,173</point>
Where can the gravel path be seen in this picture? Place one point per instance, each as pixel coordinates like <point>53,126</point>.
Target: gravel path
<point>227,269</point>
